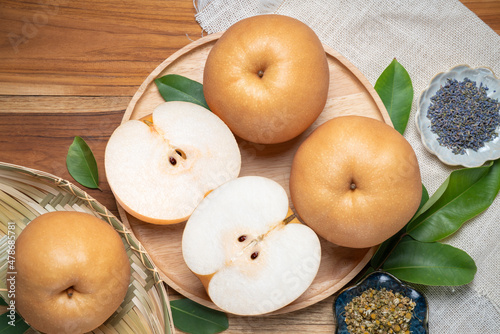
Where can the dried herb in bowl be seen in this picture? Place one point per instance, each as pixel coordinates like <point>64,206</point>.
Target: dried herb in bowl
<point>381,303</point>
<point>379,311</point>
<point>463,116</point>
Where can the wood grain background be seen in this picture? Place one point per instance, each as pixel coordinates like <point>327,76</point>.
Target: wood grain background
<point>70,68</point>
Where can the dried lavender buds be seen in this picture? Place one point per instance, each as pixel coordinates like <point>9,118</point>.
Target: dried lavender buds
<point>463,116</point>
<point>379,311</point>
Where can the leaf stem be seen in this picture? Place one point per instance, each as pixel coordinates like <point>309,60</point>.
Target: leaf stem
<point>390,252</point>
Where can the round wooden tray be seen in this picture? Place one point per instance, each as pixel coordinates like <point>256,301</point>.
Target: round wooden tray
<point>350,94</point>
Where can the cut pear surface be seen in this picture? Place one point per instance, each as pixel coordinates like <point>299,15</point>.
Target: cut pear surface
<point>160,168</point>
<point>239,242</point>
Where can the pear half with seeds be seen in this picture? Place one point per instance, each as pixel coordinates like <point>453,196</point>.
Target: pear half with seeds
<point>160,167</point>
<point>248,249</point>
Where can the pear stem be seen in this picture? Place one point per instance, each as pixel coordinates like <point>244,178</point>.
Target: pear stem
<point>289,218</point>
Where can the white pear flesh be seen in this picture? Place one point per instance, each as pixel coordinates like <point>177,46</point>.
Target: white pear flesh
<point>274,264</point>
<point>160,170</point>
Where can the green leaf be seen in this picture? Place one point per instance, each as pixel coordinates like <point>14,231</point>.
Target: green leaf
<point>385,249</point>
<point>387,246</point>
<point>430,263</point>
<point>81,164</point>
<point>368,271</point>
<point>396,91</point>
<point>175,87</point>
<point>437,194</point>
<point>465,193</point>
<point>424,199</point>
<point>12,324</point>
<point>191,317</point>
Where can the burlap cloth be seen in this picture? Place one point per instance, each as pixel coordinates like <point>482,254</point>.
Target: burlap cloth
<point>427,37</point>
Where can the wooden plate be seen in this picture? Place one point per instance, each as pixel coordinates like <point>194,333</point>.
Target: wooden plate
<point>350,94</point>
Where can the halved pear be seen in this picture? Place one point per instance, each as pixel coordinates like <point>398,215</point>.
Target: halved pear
<point>161,167</point>
<point>248,249</point>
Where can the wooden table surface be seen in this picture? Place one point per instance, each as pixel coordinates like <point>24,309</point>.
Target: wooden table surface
<point>70,68</point>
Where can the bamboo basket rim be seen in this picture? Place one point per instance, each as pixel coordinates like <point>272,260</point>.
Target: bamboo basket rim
<point>51,185</point>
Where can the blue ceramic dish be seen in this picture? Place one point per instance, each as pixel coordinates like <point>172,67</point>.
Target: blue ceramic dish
<point>378,280</point>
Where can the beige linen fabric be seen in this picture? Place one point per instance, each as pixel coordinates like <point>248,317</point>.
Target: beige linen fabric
<point>427,37</point>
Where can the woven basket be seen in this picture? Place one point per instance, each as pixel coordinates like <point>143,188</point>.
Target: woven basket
<point>26,193</point>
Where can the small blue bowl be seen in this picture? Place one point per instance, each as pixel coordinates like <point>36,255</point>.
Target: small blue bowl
<point>378,280</point>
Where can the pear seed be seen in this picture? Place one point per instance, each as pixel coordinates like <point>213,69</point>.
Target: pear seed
<point>180,153</point>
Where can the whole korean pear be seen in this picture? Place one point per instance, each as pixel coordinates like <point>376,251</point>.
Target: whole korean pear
<point>267,78</point>
<point>72,272</point>
<point>355,181</point>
